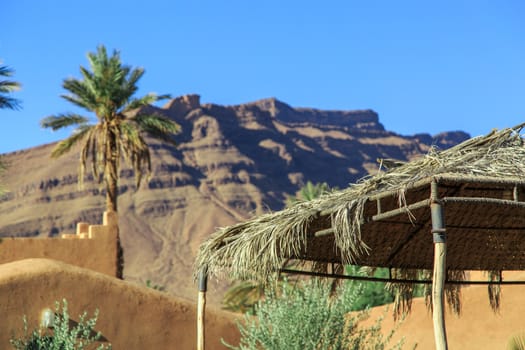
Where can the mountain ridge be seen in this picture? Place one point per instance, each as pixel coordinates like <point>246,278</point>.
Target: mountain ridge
<point>230,163</point>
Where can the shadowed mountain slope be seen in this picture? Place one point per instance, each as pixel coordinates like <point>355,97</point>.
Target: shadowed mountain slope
<point>231,162</point>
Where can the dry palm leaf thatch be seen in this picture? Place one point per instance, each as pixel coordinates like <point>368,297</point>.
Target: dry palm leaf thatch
<point>351,226</point>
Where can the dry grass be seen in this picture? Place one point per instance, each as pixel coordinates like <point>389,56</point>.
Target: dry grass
<point>258,248</point>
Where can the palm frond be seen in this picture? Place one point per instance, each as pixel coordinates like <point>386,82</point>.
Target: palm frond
<point>101,155</point>
<point>135,150</point>
<point>89,86</point>
<point>6,71</point>
<point>131,84</point>
<point>6,87</point>
<point>81,94</point>
<point>131,136</point>
<point>158,126</point>
<point>144,101</point>
<point>98,60</point>
<point>86,74</point>
<point>97,151</point>
<point>84,154</point>
<point>59,121</point>
<point>9,103</point>
<point>65,145</point>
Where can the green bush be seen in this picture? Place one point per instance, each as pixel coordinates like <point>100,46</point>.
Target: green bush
<point>154,286</point>
<point>307,315</point>
<point>372,293</point>
<point>63,336</point>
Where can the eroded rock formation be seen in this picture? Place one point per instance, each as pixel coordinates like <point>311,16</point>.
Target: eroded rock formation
<point>231,162</point>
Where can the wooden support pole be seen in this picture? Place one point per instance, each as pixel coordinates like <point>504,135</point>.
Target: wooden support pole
<point>439,273</point>
<point>201,308</point>
<point>438,316</point>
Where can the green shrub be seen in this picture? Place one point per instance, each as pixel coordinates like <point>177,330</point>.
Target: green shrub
<point>63,336</point>
<point>154,286</point>
<point>309,316</point>
<point>372,293</point>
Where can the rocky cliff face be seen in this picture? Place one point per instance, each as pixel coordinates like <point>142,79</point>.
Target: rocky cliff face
<point>231,162</point>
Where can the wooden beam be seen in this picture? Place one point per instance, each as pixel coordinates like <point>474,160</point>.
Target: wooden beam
<point>438,285</point>
<point>484,200</point>
<point>439,271</point>
<point>393,280</point>
<point>382,216</point>
<point>201,309</point>
<point>401,210</point>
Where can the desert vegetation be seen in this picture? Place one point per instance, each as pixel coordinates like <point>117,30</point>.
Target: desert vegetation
<point>308,314</point>
<point>57,333</point>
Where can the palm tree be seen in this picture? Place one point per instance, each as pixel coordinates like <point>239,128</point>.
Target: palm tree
<point>107,91</point>
<point>6,87</point>
<point>308,192</point>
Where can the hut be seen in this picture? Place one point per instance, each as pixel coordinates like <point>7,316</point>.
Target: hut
<point>429,220</point>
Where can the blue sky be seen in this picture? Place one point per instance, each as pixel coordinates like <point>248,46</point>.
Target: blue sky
<point>424,66</point>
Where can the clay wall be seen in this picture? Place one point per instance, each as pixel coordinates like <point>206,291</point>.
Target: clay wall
<point>130,316</point>
<point>81,268</point>
<point>92,246</point>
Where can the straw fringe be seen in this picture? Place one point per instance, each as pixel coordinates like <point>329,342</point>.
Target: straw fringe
<point>348,219</point>
<point>453,291</point>
<point>403,293</point>
<point>494,290</point>
<point>249,252</point>
<point>257,248</point>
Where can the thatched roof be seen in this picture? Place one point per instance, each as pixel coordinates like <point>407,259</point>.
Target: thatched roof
<point>385,221</point>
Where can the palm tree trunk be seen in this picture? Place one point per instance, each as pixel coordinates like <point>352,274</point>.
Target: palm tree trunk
<point>112,192</point>
<point>111,178</point>
<point>111,174</point>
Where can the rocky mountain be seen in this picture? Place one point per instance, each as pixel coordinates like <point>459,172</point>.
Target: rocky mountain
<point>231,162</point>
